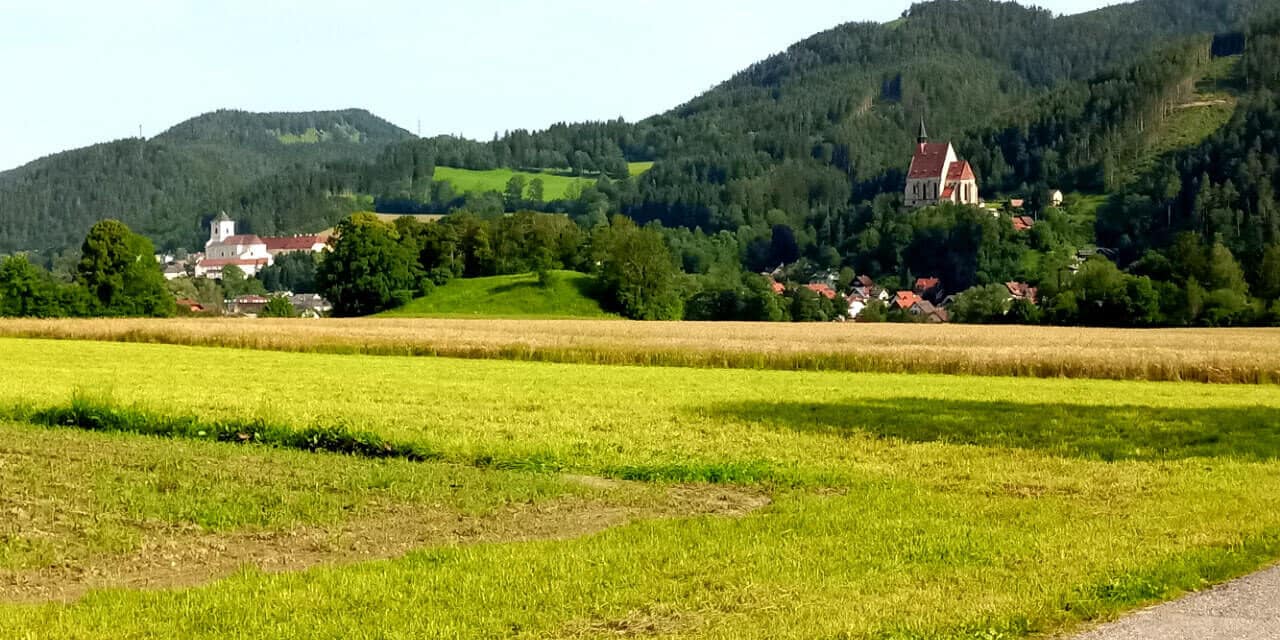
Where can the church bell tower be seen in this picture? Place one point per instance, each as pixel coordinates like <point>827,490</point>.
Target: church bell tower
<point>221,228</point>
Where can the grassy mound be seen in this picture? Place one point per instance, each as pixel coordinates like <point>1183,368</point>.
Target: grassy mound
<point>521,296</point>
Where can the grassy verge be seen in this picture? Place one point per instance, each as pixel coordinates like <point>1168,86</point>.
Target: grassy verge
<point>568,295</point>
<point>1249,356</point>
<point>905,506</point>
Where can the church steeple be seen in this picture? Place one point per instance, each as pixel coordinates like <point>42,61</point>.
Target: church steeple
<point>923,138</point>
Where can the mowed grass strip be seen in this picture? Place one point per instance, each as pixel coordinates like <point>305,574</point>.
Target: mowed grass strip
<point>1198,355</point>
<point>121,504</point>
<point>92,510</point>
<point>567,294</point>
<point>904,506</point>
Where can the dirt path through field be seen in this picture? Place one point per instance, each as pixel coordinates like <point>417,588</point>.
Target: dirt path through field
<point>178,558</point>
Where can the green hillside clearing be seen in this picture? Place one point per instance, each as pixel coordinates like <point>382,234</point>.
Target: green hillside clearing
<point>638,168</point>
<point>518,296</point>
<point>1198,117</point>
<point>555,187</point>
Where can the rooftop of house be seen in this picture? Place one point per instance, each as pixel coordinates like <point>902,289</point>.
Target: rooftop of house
<point>906,299</point>
<point>1022,290</point>
<point>822,290</point>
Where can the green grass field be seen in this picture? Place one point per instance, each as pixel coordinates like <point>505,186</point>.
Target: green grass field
<point>554,186</point>
<point>639,168</point>
<point>518,296</point>
<point>902,506</point>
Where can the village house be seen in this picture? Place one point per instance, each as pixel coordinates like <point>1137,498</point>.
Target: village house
<point>189,305</point>
<point>823,290</point>
<point>175,270</point>
<point>247,305</point>
<point>905,300</point>
<point>929,312</point>
<point>1022,291</point>
<point>864,287</point>
<point>938,175</point>
<point>1023,223</point>
<point>1056,198</point>
<point>310,305</point>
<point>929,289</point>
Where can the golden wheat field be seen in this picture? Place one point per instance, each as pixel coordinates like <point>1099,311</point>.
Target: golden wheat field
<point>1200,355</point>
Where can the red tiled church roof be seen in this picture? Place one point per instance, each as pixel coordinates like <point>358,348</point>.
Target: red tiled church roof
<point>243,239</point>
<point>961,171</point>
<point>295,243</point>
<point>929,160</point>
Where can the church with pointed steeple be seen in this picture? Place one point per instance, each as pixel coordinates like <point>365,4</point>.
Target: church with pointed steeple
<point>938,175</point>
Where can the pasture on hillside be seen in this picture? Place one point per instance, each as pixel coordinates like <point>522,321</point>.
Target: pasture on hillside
<point>854,505</point>
<point>554,186</point>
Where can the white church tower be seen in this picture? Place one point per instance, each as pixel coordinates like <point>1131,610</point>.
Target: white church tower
<point>220,229</point>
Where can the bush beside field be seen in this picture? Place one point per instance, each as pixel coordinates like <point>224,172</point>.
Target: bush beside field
<point>567,294</point>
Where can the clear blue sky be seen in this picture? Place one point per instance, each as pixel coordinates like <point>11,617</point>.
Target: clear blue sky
<point>85,71</point>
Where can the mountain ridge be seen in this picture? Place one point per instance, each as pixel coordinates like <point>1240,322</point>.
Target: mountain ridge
<point>809,131</point>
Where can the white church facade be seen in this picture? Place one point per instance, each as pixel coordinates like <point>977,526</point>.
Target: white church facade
<point>249,252</point>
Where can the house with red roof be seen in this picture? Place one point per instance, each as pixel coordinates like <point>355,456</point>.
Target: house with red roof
<point>823,290</point>
<point>928,287</point>
<point>938,174</point>
<point>1023,291</point>
<point>905,300</point>
<point>1023,223</point>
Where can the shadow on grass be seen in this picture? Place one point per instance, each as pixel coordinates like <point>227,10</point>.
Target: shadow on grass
<point>516,286</point>
<point>1122,432</point>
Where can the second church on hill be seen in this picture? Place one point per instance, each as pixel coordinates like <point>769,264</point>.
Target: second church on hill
<point>938,175</point>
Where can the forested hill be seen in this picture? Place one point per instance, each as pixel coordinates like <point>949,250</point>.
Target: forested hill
<point>802,138</point>
<point>347,134</point>
<point>165,186</point>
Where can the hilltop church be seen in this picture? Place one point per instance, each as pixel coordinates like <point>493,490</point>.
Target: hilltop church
<point>938,175</point>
